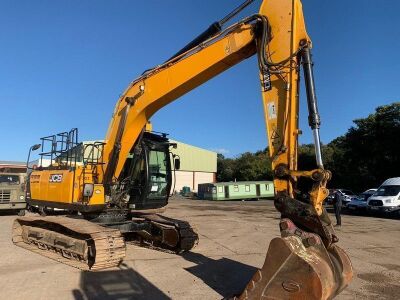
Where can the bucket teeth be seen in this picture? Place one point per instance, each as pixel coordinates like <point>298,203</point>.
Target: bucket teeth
<point>299,266</point>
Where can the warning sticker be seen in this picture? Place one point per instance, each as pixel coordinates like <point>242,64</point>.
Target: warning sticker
<point>271,110</point>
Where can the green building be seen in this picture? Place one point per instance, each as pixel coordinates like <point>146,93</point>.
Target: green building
<point>236,190</point>
<point>198,166</point>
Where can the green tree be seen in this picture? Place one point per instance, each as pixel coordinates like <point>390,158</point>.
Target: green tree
<point>248,166</point>
<point>225,168</point>
<point>369,152</point>
<point>251,166</point>
<point>360,159</point>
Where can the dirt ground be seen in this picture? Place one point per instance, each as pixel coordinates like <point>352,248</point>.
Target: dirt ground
<point>234,237</point>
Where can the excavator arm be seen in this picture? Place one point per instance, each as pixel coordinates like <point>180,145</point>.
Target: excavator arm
<point>160,86</point>
<point>305,262</point>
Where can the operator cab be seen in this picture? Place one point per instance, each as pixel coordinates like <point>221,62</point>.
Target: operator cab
<point>148,169</point>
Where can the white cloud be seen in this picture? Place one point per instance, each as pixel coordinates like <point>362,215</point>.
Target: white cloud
<point>221,150</point>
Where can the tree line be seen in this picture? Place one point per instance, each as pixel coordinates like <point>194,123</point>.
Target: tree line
<point>362,158</point>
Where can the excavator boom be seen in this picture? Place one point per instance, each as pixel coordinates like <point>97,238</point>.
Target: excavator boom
<point>277,34</point>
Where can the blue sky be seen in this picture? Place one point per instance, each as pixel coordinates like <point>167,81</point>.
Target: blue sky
<point>63,64</point>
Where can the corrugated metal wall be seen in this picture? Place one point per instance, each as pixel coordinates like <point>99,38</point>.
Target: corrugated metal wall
<point>192,179</point>
<point>183,178</point>
<point>202,177</point>
<point>197,166</point>
<point>195,158</point>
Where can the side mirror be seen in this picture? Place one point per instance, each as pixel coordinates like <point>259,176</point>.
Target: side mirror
<point>177,163</point>
<point>35,147</point>
<point>32,148</point>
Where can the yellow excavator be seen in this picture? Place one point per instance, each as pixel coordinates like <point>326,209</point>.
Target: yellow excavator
<point>117,185</point>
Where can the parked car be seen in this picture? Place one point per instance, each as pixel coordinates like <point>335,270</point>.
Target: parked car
<point>387,197</point>
<point>359,204</point>
<point>346,195</point>
<point>331,196</point>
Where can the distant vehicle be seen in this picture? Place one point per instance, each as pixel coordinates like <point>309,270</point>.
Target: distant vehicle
<point>368,193</point>
<point>359,204</point>
<point>387,197</point>
<point>12,192</point>
<point>331,196</point>
<point>346,195</point>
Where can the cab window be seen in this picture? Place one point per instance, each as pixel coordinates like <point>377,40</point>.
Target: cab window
<point>388,190</point>
<point>10,179</point>
<point>158,174</point>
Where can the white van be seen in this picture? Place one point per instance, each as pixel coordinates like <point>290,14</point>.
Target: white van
<point>387,197</point>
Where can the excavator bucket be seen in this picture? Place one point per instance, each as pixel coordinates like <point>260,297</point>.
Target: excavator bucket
<point>298,266</point>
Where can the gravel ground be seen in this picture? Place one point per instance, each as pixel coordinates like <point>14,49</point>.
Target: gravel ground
<point>234,238</point>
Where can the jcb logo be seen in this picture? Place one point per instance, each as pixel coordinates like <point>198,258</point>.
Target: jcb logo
<point>55,178</point>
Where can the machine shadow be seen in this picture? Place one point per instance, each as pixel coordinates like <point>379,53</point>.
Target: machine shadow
<point>124,283</point>
<point>225,276</point>
<point>8,213</point>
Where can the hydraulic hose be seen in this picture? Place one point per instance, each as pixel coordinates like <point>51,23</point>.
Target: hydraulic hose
<point>212,30</point>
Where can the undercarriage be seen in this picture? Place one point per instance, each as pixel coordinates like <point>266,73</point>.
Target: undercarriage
<point>100,243</point>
